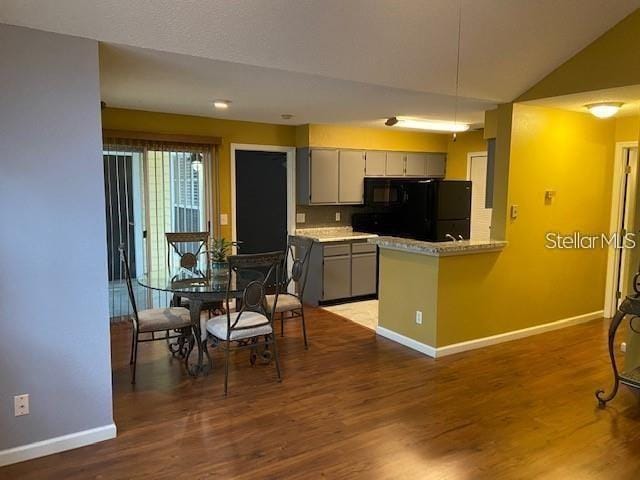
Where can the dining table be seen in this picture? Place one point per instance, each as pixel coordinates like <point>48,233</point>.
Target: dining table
<point>200,288</point>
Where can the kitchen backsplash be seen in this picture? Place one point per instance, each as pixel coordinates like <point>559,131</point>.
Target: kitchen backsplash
<point>325,215</point>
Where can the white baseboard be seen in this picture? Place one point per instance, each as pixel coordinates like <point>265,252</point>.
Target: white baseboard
<point>486,341</point>
<point>57,444</point>
<point>406,341</point>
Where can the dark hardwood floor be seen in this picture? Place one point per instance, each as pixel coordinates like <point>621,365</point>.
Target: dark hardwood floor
<point>358,406</point>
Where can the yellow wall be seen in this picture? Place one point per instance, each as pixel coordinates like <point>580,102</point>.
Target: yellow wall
<point>612,60</point>
<point>528,284</point>
<point>457,152</point>
<point>344,136</point>
<point>399,298</point>
<point>230,131</point>
<point>627,129</point>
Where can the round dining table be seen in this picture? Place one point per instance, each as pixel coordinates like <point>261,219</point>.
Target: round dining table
<point>200,288</point>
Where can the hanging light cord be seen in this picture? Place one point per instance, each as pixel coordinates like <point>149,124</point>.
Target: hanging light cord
<point>455,112</point>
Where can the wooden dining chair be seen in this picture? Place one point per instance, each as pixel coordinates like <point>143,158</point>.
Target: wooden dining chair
<point>154,320</point>
<point>250,326</point>
<point>289,305</point>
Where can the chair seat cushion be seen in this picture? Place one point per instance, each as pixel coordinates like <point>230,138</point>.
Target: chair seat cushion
<point>286,302</point>
<point>217,326</point>
<point>155,319</point>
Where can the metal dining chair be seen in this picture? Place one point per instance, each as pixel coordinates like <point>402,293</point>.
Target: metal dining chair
<point>154,320</point>
<point>250,326</point>
<point>190,247</point>
<point>289,305</point>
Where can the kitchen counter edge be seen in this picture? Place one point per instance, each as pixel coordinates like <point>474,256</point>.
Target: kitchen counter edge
<point>438,249</point>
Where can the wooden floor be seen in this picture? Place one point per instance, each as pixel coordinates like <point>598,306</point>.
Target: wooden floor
<point>358,406</point>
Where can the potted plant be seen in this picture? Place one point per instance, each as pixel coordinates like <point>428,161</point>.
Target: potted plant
<point>220,248</point>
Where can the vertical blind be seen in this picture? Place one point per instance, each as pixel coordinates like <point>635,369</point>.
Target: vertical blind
<point>152,188</point>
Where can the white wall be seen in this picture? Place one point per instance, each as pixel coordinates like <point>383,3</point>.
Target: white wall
<point>54,335</point>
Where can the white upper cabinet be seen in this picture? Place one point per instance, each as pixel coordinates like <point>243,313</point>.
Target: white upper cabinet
<point>436,164</point>
<point>331,176</point>
<point>395,164</point>
<point>351,177</point>
<point>375,164</point>
<point>324,176</point>
<point>416,165</point>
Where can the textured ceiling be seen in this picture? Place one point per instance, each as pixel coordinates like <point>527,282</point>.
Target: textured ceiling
<point>402,46</point>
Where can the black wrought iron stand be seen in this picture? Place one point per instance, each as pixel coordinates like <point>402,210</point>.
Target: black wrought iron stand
<point>629,307</point>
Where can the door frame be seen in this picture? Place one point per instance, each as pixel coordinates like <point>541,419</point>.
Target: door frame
<point>610,300</point>
<point>291,183</point>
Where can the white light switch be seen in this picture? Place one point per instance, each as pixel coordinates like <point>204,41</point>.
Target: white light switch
<point>418,317</point>
<point>337,216</point>
<point>21,405</point>
<point>301,217</point>
<point>514,211</point>
<point>224,219</point>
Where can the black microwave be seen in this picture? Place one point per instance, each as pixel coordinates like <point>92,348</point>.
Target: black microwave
<point>384,192</point>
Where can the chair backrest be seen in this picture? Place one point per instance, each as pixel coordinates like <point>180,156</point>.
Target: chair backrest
<point>124,258</point>
<point>253,294</point>
<point>298,253</point>
<point>188,246</point>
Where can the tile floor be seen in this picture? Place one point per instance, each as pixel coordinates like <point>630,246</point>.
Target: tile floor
<point>364,313</point>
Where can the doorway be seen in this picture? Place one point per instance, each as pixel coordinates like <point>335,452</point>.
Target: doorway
<point>477,170</point>
<point>262,196</point>
<point>623,262</point>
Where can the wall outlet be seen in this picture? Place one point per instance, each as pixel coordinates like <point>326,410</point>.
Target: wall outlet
<point>623,347</point>
<point>21,405</point>
<point>418,317</point>
<point>337,216</point>
<point>514,212</point>
<point>224,219</point>
<point>301,217</point>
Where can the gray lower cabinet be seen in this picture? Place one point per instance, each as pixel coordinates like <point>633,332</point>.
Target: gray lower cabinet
<point>336,277</point>
<point>363,274</point>
<point>341,270</point>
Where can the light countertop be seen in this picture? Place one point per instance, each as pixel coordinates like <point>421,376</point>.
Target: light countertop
<point>333,234</point>
<point>439,249</point>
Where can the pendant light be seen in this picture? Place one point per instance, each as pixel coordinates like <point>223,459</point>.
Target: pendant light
<point>455,112</point>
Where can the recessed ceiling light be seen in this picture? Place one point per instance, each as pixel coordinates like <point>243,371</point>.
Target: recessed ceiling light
<point>604,109</point>
<point>286,116</point>
<point>221,104</point>
<point>431,125</point>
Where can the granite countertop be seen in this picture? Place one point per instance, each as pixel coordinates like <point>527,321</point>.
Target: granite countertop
<point>439,249</point>
<point>333,234</point>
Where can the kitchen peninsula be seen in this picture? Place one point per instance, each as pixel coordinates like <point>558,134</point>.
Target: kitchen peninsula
<point>423,289</point>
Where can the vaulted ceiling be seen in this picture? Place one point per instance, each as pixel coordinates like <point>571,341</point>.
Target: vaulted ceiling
<point>323,60</point>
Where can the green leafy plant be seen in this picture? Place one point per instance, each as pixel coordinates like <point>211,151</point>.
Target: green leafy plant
<point>220,248</point>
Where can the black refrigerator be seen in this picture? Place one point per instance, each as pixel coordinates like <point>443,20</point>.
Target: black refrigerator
<point>438,210</point>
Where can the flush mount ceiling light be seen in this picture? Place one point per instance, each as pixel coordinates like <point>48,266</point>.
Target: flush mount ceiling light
<point>221,104</point>
<point>604,109</point>
<point>432,125</point>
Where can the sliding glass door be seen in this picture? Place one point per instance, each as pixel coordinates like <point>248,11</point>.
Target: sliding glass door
<point>150,190</point>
